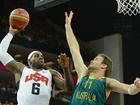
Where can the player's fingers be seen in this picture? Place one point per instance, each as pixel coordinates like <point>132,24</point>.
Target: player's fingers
<point>71,14</point>
<point>66,14</point>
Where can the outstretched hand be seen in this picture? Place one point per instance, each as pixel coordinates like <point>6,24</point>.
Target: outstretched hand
<point>68,17</point>
<point>63,60</point>
<point>137,82</point>
<point>13,31</point>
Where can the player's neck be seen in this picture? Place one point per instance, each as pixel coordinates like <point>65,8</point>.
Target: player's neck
<point>36,69</point>
<point>97,75</point>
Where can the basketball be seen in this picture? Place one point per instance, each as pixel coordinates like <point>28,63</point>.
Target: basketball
<point>19,18</point>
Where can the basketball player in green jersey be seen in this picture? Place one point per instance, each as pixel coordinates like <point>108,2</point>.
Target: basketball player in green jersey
<point>94,82</point>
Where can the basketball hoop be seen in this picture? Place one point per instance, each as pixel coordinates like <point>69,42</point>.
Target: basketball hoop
<point>130,7</point>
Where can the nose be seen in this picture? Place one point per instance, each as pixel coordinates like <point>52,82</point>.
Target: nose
<point>91,61</point>
<point>41,58</point>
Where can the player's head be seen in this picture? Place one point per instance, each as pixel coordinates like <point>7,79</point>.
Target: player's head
<point>101,62</point>
<point>36,60</point>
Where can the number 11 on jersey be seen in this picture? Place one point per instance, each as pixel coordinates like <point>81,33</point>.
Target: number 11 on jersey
<point>88,84</point>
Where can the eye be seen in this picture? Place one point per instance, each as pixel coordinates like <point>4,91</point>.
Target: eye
<point>42,56</point>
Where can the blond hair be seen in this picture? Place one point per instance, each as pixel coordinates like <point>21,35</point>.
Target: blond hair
<point>107,60</point>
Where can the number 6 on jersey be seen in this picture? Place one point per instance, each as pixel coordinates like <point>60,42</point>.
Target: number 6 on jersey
<point>36,88</point>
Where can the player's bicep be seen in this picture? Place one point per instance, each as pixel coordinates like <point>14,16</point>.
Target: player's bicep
<point>59,82</point>
<point>79,65</point>
<point>117,86</point>
<point>58,79</point>
<point>15,66</point>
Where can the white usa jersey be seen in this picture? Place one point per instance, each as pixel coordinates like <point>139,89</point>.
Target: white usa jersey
<point>35,87</point>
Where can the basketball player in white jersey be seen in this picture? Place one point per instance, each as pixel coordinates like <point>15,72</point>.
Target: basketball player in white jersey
<point>35,83</point>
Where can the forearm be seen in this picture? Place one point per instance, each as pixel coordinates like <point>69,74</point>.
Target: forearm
<point>72,41</point>
<point>69,85</point>
<point>75,50</point>
<point>4,45</point>
<point>132,90</point>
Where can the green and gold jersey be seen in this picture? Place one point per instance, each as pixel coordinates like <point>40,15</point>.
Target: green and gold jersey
<point>89,91</point>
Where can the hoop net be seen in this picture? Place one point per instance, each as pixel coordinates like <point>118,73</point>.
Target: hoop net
<point>130,7</point>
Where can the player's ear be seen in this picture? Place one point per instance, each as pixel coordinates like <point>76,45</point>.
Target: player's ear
<point>103,66</point>
<point>29,62</point>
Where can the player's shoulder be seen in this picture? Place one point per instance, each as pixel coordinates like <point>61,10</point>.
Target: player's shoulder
<point>26,68</point>
<point>110,80</point>
<point>55,72</point>
<point>52,71</point>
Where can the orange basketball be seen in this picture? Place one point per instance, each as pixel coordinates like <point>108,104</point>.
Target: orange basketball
<point>19,18</point>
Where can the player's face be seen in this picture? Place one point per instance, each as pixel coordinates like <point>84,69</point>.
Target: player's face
<point>37,60</point>
<point>96,63</point>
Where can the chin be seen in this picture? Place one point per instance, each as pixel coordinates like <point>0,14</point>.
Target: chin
<point>91,68</point>
<point>38,65</point>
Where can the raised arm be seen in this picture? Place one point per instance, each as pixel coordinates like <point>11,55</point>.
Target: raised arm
<point>116,86</point>
<point>63,61</point>
<point>74,46</point>
<point>5,57</point>
<point>66,83</point>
